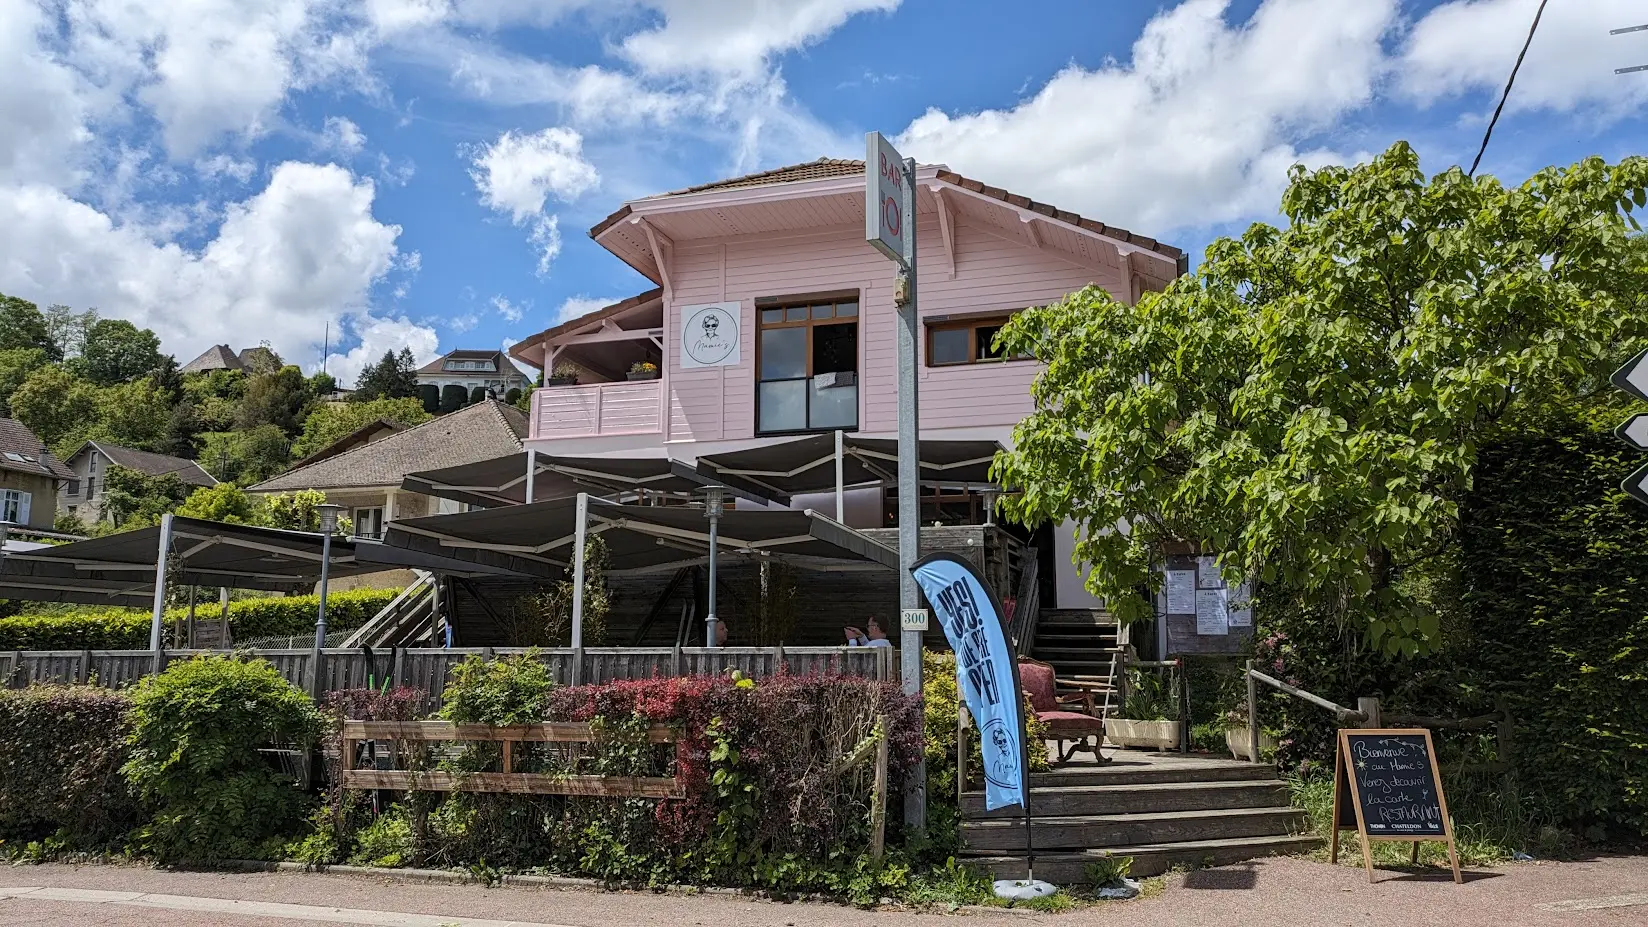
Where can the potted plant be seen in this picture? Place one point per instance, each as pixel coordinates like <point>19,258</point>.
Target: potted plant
<point>1145,715</point>
<point>1238,739</point>
<point>563,375</point>
<point>645,370</point>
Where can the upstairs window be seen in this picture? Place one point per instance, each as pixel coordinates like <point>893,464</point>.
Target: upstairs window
<point>968,341</point>
<point>807,365</point>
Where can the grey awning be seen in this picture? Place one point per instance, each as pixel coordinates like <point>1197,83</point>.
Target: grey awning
<point>807,465</point>
<point>502,480</point>
<point>638,537</point>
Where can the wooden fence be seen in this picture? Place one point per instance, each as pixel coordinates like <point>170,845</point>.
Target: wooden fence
<point>427,669</point>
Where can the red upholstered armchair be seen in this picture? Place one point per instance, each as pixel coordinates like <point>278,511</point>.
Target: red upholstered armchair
<point>1069,716</point>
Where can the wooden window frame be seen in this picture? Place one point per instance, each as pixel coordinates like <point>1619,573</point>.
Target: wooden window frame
<point>768,304</point>
<point>970,325</point>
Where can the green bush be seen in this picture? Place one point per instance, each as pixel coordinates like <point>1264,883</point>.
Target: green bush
<point>196,732</point>
<point>128,629</point>
<point>61,750</point>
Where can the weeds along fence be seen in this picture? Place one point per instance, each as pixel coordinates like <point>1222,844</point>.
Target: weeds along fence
<point>322,671</point>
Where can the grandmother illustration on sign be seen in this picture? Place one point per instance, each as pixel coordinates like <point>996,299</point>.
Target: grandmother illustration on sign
<point>711,322</point>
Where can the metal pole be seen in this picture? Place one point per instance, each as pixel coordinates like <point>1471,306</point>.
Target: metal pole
<point>579,531</point>
<point>160,590</point>
<point>1252,714</point>
<point>531,473</point>
<point>840,491</point>
<point>712,508</point>
<point>909,501</point>
<point>325,574</point>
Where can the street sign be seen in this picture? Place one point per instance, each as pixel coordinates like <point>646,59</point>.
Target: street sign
<point>1633,377</point>
<point>885,224</point>
<point>1636,485</point>
<point>912,619</point>
<point>1634,431</point>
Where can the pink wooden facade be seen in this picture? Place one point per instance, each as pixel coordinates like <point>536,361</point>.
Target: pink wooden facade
<point>978,256</point>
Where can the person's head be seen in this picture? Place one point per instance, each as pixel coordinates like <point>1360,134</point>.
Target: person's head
<point>873,629</point>
<point>720,633</point>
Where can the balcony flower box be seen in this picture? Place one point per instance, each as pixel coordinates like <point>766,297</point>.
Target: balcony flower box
<point>1150,735</point>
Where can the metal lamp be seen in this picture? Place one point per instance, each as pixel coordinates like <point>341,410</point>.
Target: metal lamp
<point>714,499</point>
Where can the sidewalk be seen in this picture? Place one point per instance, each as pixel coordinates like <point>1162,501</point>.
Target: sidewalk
<point>1269,893</point>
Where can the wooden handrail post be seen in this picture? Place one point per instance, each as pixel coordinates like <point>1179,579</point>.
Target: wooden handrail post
<point>878,807</point>
<point>1369,709</point>
<point>961,749</point>
<point>1252,714</point>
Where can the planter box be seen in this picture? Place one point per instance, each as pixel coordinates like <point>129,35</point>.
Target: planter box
<point>561,381</point>
<point>1236,738</point>
<point>644,376</point>
<point>1151,735</point>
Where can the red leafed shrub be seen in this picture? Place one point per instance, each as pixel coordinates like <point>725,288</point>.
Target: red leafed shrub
<point>61,749</point>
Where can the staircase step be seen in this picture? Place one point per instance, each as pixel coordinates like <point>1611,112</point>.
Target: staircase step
<point>1120,771</point>
<point>1148,859</point>
<point>1112,830</point>
<point>1139,799</point>
<point>1085,654</point>
<point>1049,619</point>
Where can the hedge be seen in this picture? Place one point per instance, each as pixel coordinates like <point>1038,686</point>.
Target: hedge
<point>61,750</point>
<point>128,629</point>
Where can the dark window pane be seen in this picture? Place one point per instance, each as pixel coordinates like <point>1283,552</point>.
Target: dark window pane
<point>769,316</point>
<point>835,347</point>
<point>783,405</point>
<point>795,314</point>
<point>783,353</point>
<point>824,311</point>
<point>986,338</point>
<point>949,346</point>
<point>846,309</point>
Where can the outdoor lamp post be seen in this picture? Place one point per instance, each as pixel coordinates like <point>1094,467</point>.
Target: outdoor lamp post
<point>328,525</point>
<point>713,500</point>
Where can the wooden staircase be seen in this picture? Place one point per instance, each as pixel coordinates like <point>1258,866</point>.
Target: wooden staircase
<point>1163,810</point>
<point>1078,642</point>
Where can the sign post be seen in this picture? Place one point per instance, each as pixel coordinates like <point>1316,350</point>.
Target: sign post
<point>1633,379</point>
<point>1386,786</point>
<point>890,226</point>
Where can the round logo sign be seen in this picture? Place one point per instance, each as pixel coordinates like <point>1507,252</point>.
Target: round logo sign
<point>709,336</point>
<point>1000,753</point>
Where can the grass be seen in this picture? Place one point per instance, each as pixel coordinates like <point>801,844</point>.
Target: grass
<point>1492,822</point>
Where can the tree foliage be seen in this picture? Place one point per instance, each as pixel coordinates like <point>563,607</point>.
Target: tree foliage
<point>1310,402</point>
<point>331,421</point>
<point>453,398</point>
<point>22,325</point>
<point>394,376</point>
<point>116,351</point>
<point>131,498</point>
<point>245,457</point>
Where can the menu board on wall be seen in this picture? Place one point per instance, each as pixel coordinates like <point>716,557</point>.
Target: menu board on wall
<point>1198,619</point>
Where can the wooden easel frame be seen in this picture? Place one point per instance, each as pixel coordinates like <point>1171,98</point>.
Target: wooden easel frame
<point>1342,775</point>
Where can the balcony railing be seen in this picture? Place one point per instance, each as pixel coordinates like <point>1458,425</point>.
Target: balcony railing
<point>598,409</point>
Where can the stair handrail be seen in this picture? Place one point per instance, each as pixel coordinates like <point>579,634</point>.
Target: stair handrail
<point>1027,603</point>
<point>390,614</point>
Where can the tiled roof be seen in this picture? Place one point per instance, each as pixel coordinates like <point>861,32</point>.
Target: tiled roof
<point>216,357</point>
<point>354,439</point>
<point>149,463</point>
<point>472,434</point>
<point>498,358</point>
<point>825,168</point>
<point>17,441</point>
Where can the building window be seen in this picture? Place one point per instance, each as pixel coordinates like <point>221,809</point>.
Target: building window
<point>368,523</point>
<point>74,488</point>
<point>91,487</point>
<point>14,506</point>
<point>971,341</point>
<point>807,366</point>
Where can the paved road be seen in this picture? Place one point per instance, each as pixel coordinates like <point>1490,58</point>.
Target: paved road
<point>1272,893</point>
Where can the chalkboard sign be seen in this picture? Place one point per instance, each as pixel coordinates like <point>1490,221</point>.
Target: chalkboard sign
<point>1386,787</point>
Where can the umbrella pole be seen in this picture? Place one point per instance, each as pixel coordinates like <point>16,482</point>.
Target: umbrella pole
<point>578,532</point>
<point>531,473</point>
<point>159,613</point>
<point>840,492</point>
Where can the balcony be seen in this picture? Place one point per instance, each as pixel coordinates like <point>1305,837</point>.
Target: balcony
<point>598,410</point>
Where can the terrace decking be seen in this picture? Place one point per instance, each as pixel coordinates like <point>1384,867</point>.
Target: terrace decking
<point>1161,809</point>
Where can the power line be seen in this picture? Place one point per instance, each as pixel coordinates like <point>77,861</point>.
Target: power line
<point>1507,94</point>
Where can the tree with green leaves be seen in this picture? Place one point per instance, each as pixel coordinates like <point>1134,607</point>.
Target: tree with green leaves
<point>430,395</point>
<point>453,398</point>
<point>69,329</point>
<point>133,499</point>
<point>23,326</point>
<point>58,407</point>
<point>331,421</point>
<point>245,457</point>
<point>1308,405</point>
<point>15,366</point>
<point>224,502</point>
<point>477,394</point>
<point>280,398</point>
<point>117,351</point>
<point>394,376</point>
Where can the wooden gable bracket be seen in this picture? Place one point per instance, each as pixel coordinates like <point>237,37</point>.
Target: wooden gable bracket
<point>661,249</point>
<point>1028,223</point>
<point>946,227</point>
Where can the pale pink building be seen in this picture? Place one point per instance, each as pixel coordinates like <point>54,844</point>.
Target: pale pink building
<point>772,317</point>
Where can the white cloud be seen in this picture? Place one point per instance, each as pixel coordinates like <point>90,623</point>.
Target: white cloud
<point>519,171</point>
<point>224,165</point>
<point>342,136</point>
<point>304,251</point>
<point>378,335</point>
<point>737,37</point>
<point>546,237</point>
<point>41,107</point>
<point>575,306</point>
<point>1197,129</point>
<point>510,311</point>
<point>459,324</point>
<point>1463,47</point>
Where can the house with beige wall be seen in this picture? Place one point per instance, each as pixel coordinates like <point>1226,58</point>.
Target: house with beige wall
<point>29,478</point>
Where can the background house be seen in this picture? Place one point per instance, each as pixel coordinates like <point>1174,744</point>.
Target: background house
<point>222,357</point>
<point>366,478</point>
<point>487,369</point>
<point>29,477</point>
<point>82,495</point>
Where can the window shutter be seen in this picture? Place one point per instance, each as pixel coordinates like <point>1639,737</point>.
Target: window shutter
<point>23,507</point>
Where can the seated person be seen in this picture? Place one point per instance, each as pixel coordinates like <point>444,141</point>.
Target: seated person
<point>873,637</point>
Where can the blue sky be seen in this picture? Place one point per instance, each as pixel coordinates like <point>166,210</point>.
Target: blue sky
<point>422,172</point>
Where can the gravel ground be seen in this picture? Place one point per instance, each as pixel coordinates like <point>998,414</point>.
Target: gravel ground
<point>1268,893</point>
